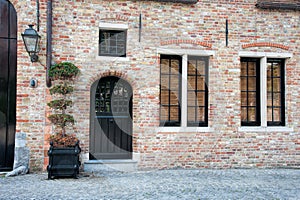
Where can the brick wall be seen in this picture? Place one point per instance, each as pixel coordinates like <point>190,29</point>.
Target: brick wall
<point>198,26</point>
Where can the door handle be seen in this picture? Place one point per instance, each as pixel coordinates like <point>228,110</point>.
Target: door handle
<point>111,120</point>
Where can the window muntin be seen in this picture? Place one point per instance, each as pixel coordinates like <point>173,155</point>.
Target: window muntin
<point>183,91</point>
<point>170,90</point>
<point>197,94</point>
<point>250,92</point>
<point>275,92</point>
<point>112,43</point>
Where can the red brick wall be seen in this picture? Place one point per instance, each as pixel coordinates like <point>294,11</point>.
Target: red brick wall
<point>198,26</point>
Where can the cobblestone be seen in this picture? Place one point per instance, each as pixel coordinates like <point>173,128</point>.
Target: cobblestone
<point>159,185</point>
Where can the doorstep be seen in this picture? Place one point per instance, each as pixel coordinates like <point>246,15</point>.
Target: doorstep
<point>98,166</point>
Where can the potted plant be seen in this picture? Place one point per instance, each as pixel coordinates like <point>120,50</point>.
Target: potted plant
<point>64,148</point>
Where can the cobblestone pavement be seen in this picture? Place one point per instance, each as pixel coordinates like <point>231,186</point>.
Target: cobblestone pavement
<point>159,185</point>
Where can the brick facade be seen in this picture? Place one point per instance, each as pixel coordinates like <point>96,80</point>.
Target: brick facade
<point>172,26</point>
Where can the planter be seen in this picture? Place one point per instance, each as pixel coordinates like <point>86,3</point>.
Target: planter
<point>63,161</point>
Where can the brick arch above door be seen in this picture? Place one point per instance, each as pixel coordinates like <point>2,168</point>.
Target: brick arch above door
<point>118,74</point>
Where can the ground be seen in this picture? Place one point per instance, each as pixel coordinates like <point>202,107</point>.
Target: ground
<point>159,184</point>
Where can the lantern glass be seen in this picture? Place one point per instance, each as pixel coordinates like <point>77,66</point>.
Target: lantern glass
<point>31,41</point>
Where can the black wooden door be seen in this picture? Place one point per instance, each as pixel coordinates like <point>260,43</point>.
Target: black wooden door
<point>111,119</point>
<point>8,63</point>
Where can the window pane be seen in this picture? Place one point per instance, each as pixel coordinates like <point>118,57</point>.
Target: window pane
<point>276,99</point>
<point>192,67</point>
<point>191,114</point>
<point>244,69</point>
<point>174,82</point>
<point>244,98</point>
<point>174,114</point>
<point>164,66</point>
<point>243,83</point>
<point>276,70</point>
<point>201,83</point>
<point>251,114</point>
<point>269,85</point>
<point>191,99</point>
<point>164,81</point>
<point>251,69</point>
<point>270,114</point>
<point>164,97</point>
<point>244,114</point>
<point>174,67</point>
<point>192,83</point>
<point>252,99</point>
<point>269,70</point>
<point>277,114</point>
<point>201,98</point>
<point>201,67</point>
<point>174,98</point>
<point>201,114</point>
<point>252,83</point>
<point>164,113</point>
<point>276,85</point>
<point>269,99</point>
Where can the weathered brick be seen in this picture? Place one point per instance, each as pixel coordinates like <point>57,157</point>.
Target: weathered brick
<point>199,26</point>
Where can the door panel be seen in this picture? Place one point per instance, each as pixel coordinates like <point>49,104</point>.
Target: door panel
<point>8,62</point>
<point>111,119</point>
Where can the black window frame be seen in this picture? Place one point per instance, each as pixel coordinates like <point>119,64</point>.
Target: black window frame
<point>111,54</point>
<point>171,122</point>
<point>257,122</point>
<point>197,90</point>
<point>282,91</point>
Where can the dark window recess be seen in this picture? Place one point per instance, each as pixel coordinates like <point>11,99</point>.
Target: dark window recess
<point>170,90</point>
<point>278,4</point>
<point>112,43</point>
<point>197,91</point>
<point>250,92</point>
<point>275,92</point>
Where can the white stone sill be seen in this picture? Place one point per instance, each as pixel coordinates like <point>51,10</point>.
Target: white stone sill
<point>184,129</point>
<point>265,129</point>
<point>209,129</point>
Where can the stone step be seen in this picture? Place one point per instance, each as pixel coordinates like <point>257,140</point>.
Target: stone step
<point>99,166</point>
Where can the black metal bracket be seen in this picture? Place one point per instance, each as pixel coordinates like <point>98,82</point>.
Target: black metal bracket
<point>140,28</point>
<point>226,32</point>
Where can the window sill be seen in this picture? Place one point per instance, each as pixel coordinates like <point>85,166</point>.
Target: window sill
<point>112,58</point>
<point>184,129</point>
<point>265,129</point>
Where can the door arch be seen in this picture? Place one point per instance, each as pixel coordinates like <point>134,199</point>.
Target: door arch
<point>8,67</point>
<point>111,119</point>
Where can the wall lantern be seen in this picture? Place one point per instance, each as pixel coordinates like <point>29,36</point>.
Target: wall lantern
<point>31,40</point>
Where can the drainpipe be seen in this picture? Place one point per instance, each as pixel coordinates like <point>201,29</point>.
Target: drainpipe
<point>49,42</point>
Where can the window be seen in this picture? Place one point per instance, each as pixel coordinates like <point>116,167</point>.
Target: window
<point>183,90</point>
<point>262,92</point>
<point>197,97</point>
<point>275,92</point>
<point>112,43</point>
<point>170,90</point>
<point>250,91</point>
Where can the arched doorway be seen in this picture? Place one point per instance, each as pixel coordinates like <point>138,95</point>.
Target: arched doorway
<point>8,63</point>
<point>111,119</point>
